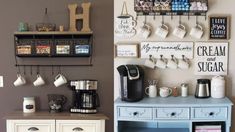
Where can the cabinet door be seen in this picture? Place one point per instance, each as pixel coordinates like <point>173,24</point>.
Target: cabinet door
<point>80,126</point>
<point>30,125</point>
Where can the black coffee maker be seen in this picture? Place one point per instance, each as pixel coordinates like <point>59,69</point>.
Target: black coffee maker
<point>131,82</point>
<point>85,98</point>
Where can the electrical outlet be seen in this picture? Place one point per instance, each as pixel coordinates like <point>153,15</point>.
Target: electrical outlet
<point>1,81</point>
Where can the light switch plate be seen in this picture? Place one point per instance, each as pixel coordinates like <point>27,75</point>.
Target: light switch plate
<point>1,81</point>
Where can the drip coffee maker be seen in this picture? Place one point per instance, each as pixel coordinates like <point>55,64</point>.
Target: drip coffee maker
<point>85,98</point>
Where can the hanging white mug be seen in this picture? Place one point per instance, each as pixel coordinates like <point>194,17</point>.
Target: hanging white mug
<point>180,31</point>
<point>183,63</point>
<point>162,31</point>
<point>145,31</point>
<point>20,80</point>
<point>172,63</point>
<point>197,31</point>
<point>60,80</point>
<point>39,81</point>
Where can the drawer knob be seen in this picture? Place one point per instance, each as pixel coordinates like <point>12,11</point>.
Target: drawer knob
<point>173,114</point>
<point>77,129</point>
<point>211,113</point>
<point>135,113</point>
<point>32,129</point>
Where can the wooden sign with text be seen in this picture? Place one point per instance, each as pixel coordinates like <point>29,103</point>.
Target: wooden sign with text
<point>211,58</point>
<point>219,27</point>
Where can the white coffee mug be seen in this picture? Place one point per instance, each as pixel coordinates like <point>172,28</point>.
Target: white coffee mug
<point>179,31</point>
<point>172,63</point>
<point>60,80</point>
<point>39,81</point>
<point>183,64</point>
<point>151,91</point>
<point>149,63</point>
<point>165,92</point>
<point>161,63</point>
<point>197,31</point>
<point>19,81</point>
<point>145,31</point>
<point>162,31</point>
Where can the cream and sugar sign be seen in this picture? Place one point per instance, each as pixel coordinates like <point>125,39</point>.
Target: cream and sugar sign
<point>167,49</point>
<point>211,58</point>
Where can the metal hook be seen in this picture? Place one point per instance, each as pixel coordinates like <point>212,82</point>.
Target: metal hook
<point>59,69</point>
<point>179,19</point>
<point>45,11</point>
<point>145,17</point>
<point>31,70</point>
<point>154,16</point>
<point>162,19</point>
<point>37,69</point>
<point>196,20</point>
<point>52,70</point>
<point>24,71</point>
<point>18,72</point>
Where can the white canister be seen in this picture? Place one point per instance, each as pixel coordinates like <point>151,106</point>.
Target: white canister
<point>184,89</point>
<point>29,105</point>
<point>218,87</point>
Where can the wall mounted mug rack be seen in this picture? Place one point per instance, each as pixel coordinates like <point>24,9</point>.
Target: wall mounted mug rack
<point>166,49</point>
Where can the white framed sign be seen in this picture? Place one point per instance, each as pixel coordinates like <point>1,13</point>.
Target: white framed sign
<point>211,58</point>
<point>156,49</point>
<point>127,50</point>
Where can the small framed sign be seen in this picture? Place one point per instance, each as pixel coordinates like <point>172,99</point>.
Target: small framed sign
<point>219,26</point>
<point>127,50</point>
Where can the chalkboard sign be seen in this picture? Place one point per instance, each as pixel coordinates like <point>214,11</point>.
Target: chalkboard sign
<point>219,27</point>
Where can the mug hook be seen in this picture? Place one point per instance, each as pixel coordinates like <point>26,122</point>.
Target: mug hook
<point>38,69</point>
<point>162,19</point>
<point>145,19</point>
<point>179,19</point>
<point>59,69</point>
<point>24,71</point>
<point>31,70</point>
<point>18,72</point>
<point>196,20</point>
<point>52,70</point>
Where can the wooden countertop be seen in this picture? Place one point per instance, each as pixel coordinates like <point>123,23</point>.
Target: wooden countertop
<point>56,116</point>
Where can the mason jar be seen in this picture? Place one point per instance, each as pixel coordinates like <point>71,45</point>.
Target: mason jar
<point>29,105</point>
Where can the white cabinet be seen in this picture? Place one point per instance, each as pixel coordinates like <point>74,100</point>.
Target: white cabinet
<point>55,125</point>
<point>30,125</point>
<point>80,125</point>
<point>55,122</point>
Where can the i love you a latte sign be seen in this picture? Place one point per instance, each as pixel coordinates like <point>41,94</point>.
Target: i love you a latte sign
<point>211,58</point>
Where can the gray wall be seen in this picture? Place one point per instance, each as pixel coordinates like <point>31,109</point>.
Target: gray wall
<point>12,12</point>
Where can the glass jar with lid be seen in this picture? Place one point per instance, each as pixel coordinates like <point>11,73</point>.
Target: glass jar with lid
<point>29,105</point>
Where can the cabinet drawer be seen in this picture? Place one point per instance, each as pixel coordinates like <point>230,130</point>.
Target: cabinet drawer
<point>172,113</point>
<point>210,113</point>
<point>135,113</point>
<point>30,125</point>
<point>79,126</point>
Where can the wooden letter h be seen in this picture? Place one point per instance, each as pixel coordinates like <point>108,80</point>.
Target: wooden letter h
<point>84,17</point>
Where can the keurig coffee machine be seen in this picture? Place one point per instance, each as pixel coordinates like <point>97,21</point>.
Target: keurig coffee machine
<point>131,82</point>
<point>85,98</point>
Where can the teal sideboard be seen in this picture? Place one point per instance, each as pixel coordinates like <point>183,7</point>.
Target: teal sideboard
<point>172,114</point>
